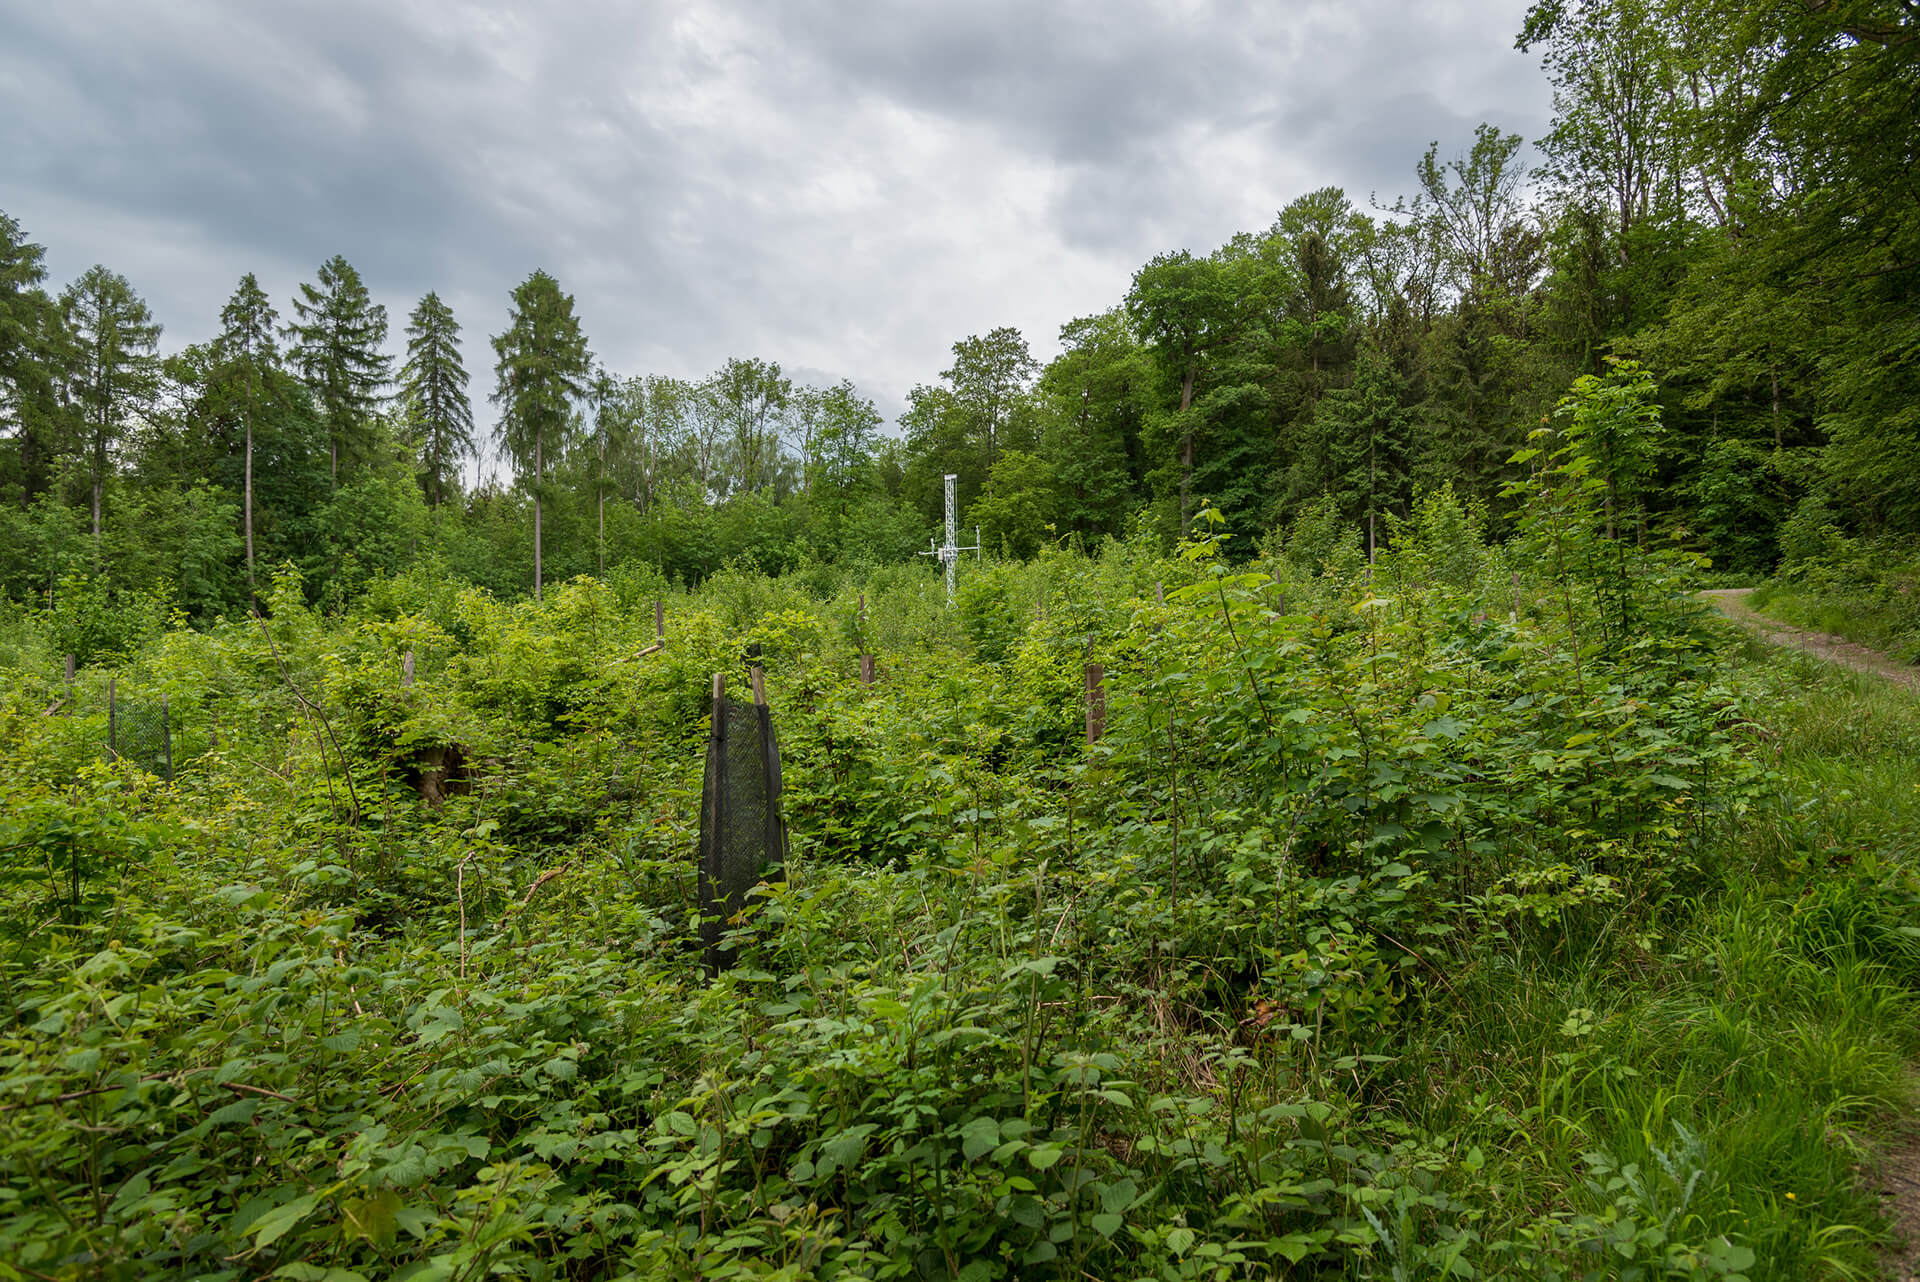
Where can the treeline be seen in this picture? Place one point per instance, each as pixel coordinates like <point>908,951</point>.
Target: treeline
<point>1728,200</point>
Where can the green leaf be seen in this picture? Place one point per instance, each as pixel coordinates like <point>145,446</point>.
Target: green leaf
<point>1043,1156</point>
<point>979,1136</point>
<point>270,1227</point>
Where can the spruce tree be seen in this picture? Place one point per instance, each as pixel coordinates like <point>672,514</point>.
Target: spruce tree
<point>246,342</point>
<point>31,342</point>
<point>115,369</point>
<point>337,338</point>
<point>434,383</point>
<point>542,367</point>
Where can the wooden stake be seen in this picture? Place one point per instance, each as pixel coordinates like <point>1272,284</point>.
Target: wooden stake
<point>113,741</point>
<point>866,669</point>
<point>1096,702</point>
<point>659,620</point>
<point>406,668</point>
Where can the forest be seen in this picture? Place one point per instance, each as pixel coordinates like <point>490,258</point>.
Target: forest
<point>1446,892</point>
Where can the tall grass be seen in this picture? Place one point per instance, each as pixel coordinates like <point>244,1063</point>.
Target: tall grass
<point>1723,1068</point>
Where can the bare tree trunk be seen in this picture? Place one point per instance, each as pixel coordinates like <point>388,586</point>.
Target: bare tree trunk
<point>249,480</point>
<point>1186,451</point>
<point>539,479</point>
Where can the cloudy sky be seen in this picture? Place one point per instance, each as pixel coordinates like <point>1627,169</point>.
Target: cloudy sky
<point>846,188</point>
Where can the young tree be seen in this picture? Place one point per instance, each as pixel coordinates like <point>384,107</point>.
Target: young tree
<point>116,369</point>
<point>542,366</point>
<point>336,347</point>
<point>1368,430</point>
<point>246,341</point>
<point>434,383</point>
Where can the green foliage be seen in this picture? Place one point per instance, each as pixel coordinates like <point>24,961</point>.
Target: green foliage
<point>1368,940</point>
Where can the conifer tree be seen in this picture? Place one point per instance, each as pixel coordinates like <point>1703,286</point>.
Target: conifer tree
<point>434,382</point>
<point>246,341</point>
<point>542,366</point>
<point>30,343</point>
<point>337,338</point>
<point>115,369</point>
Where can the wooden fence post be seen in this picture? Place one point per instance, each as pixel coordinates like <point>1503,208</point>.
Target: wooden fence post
<point>166,738</point>
<point>70,667</point>
<point>659,621</point>
<point>406,668</point>
<point>1096,702</point>
<point>860,631</point>
<point>113,710</point>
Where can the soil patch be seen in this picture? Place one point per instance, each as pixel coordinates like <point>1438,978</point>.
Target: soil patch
<point>1732,602</point>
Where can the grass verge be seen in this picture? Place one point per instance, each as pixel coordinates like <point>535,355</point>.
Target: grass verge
<point>1704,1087</point>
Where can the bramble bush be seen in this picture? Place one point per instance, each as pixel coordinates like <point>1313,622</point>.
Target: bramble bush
<point>1398,927</point>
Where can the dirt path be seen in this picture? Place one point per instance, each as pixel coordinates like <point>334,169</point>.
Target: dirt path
<point>1898,1170</point>
<point>1732,602</point>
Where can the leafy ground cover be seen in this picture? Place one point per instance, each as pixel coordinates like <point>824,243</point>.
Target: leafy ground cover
<point>1487,913</point>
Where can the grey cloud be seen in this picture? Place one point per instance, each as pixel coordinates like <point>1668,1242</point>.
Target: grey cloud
<point>842,187</point>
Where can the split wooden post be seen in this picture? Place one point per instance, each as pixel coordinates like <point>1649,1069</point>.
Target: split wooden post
<point>866,656</point>
<point>1096,702</point>
<point>659,621</point>
<point>166,738</point>
<point>406,668</point>
<point>113,741</point>
<point>70,668</point>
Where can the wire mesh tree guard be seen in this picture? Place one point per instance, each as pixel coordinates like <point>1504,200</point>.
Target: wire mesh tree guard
<point>743,839</point>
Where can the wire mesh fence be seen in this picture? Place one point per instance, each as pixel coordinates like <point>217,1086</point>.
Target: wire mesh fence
<point>743,839</point>
<point>140,730</point>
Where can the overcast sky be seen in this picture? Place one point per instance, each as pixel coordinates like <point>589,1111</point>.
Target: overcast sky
<point>846,188</point>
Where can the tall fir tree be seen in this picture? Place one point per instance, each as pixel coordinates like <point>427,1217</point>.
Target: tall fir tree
<point>337,336</point>
<point>542,366</point>
<point>434,384</point>
<point>246,344</point>
<point>115,370</point>
<point>31,347</point>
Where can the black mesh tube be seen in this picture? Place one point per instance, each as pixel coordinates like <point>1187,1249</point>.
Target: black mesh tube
<point>743,841</point>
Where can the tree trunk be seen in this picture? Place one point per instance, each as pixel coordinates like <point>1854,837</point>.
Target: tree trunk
<point>539,479</point>
<point>1186,450</point>
<point>248,500</point>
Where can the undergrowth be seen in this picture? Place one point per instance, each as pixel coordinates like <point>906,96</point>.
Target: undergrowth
<point>1483,913</point>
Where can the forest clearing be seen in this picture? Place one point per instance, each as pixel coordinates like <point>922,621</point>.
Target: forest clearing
<point>1387,931</point>
<point>1195,723</point>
